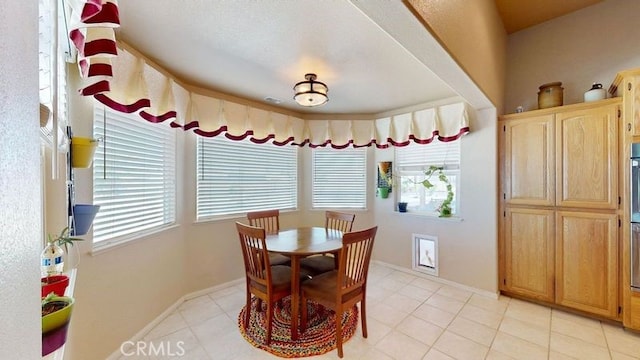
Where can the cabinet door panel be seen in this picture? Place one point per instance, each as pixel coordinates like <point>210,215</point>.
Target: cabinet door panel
<point>587,144</point>
<point>529,161</point>
<point>529,253</point>
<point>587,261</point>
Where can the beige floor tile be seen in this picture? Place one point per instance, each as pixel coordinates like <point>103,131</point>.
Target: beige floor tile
<point>427,284</point>
<point>481,316</point>
<point>472,330</point>
<point>182,339</point>
<point>518,348</point>
<point>621,341</point>
<point>386,314</point>
<point>376,294</point>
<point>434,315</point>
<point>577,348</point>
<point>434,354</point>
<point>420,330</point>
<point>402,277</point>
<point>375,354</point>
<point>459,347</point>
<point>198,353</point>
<point>229,346</point>
<point>525,331</point>
<point>445,303</point>
<point>620,356</point>
<point>532,313</point>
<point>400,346</point>
<point>226,291</point>
<point>232,303</point>
<point>580,320</point>
<point>402,302</point>
<point>554,355</point>
<point>375,331</point>
<point>454,293</point>
<point>214,327</point>
<point>197,313</point>
<point>416,292</point>
<point>498,306</point>
<point>496,355</point>
<point>593,335</point>
<point>171,323</point>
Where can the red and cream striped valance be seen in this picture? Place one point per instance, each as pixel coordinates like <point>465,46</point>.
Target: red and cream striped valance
<point>137,87</point>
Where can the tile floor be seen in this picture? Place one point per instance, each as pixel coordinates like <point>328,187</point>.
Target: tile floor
<point>411,317</point>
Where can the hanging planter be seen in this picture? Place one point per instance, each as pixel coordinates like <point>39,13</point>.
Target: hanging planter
<point>82,151</point>
<point>83,215</point>
<point>384,192</point>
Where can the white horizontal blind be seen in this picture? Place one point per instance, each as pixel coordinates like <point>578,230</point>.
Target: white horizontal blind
<point>420,157</point>
<point>134,173</point>
<point>339,178</point>
<point>235,177</point>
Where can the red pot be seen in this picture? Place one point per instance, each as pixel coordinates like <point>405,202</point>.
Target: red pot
<point>55,283</point>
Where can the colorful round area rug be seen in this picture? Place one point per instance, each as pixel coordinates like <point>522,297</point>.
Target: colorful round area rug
<point>318,338</point>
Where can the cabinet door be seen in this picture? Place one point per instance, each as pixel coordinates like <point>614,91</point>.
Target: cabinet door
<point>528,165</point>
<point>587,262</point>
<point>587,159</point>
<point>529,253</point>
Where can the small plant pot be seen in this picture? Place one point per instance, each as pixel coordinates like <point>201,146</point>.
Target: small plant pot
<point>83,215</point>
<point>56,284</point>
<point>402,207</point>
<point>56,323</point>
<point>82,151</point>
<point>384,192</point>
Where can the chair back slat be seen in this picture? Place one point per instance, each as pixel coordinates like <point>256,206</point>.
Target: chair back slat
<point>269,220</point>
<point>354,259</point>
<point>254,253</point>
<point>339,221</point>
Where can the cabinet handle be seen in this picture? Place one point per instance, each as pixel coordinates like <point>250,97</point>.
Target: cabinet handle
<point>628,126</point>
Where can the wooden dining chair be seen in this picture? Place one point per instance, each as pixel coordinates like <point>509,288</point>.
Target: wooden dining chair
<point>343,288</point>
<point>269,220</point>
<point>334,221</point>
<point>269,283</point>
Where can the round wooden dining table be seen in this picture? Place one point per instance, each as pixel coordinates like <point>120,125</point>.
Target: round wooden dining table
<point>299,243</point>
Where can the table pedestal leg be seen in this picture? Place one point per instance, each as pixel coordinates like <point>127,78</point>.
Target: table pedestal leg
<point>295,295</point>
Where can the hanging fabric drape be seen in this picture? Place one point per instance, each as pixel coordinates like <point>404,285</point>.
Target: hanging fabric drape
<point>138,87</point>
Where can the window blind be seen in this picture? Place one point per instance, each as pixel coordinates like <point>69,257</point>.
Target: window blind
<point>134,175</point>
<point>234,177</point>
<point>420,157</point>
<point>339,178</point>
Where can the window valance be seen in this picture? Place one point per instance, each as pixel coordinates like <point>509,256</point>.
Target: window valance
<point>127,83</point>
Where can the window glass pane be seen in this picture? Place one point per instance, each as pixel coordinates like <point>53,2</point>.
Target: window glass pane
<point>235,177</point>
<point>339,178</point>
<point>413,161</point>
<point>133,175</point>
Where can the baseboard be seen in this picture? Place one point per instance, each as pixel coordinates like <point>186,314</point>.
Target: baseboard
<point>141,334</point>
<point>486,293</point>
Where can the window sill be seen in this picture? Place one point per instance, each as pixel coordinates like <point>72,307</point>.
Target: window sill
<point>426,216</point>
<point>111,244</point>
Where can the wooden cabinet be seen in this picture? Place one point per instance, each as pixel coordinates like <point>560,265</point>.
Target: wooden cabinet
<point>529,160</point>
<point>560,206</point>
<point>587,161</point>
<point>587,261</point>
<point>529,253</point>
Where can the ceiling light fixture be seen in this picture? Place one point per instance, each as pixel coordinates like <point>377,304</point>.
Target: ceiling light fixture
<point>311,92</point>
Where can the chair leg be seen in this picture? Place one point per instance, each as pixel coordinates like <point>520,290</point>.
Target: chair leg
<point>247,314</point>
<point>339,330</point>
<point>269,321</point>
<point>363,315</point>
<point>259,306</point>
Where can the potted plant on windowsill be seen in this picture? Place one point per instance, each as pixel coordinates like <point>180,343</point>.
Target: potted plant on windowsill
<point>445,208</point>
<point>386,180</point>
<point>56,313</point>
<point>53,263</point>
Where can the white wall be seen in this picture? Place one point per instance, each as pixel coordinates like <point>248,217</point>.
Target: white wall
<point>20,198</point>
<point>468,248</point>
<point>587,46</point>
